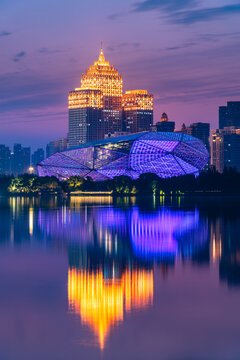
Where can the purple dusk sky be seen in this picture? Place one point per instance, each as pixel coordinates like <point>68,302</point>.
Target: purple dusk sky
<point>186,52</point>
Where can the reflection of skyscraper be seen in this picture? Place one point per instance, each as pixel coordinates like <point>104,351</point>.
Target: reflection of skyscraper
<point>101,303</point>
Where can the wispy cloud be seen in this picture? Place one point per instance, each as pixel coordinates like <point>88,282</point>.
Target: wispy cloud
<point>166,5</point>
<point>19,56</point>
<point>182,11</point>
<point>5,33</point>
<point>202,15</point>
<point>47,51</point>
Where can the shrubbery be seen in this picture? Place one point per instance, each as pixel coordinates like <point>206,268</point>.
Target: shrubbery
<point>211,181</point>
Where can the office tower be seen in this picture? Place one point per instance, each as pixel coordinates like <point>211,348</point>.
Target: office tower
<point>95,108</point>
<point>232,151</point>
<point>21,159</point>
<point>26,159</point>
<point>137,111</point>
<point>164,125</point>
<point>5,160</point>
<point>85,116</point>
<point>217,158</point>
<point>56,146</point>
<point>37,157</point>
<point>229,115</point>
<point>225,148</point>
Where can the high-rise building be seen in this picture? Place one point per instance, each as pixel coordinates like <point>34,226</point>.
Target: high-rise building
<point>229,115</point>
<point>56,146</point>
<point>85,116</point>
<point>95,108</point>
<point>225,148</point>
<point>217,158</point>
<point>21,159</point>
<point>137,111</point>
<point>232,151</point>
<point>37,157</point>
<point>164,125</point>
<point>5,160</point>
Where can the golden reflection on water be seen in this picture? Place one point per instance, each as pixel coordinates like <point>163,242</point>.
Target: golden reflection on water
<point>101,303</point>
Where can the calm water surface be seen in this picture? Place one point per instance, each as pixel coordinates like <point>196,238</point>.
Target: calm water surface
<point>97,278</point>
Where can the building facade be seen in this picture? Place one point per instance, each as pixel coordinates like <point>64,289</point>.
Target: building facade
<point>165,154</point>
<point>5,160</point>
<point>37,157</point>
<point>217,158</point>
<point>137,111</point>
<point>95,108</point>
<point>56,145</point>
<point>229,115</point>
<point>20,159</point>
<point>225,148</point>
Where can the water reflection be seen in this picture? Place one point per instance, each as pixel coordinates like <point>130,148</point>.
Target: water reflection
<point>101,302</point>
<point>115,246</point>
<point>112,253</point>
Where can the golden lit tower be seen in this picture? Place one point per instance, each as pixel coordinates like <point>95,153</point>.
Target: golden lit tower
<point>138,110</point>
<point>95,108</point>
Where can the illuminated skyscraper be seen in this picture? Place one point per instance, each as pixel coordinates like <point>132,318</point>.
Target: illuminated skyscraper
<point>138,111</point>
<point>95,108</point>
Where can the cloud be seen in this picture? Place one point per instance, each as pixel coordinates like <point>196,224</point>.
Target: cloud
<point>179,47</point>
<point>19,56</point>
<point>124,46</point>
<point>166,5</point>
<point>207,14</point>
<point>182,11</point>
<point>5,33</point>
<point>47,51</point>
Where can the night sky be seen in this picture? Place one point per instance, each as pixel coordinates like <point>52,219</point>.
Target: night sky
<point>187,52</point>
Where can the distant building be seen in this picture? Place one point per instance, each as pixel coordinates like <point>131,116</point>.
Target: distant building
<point>225,148</point>
<point>20,159</point>
<point>37,157</point>
<point>199,130</point>
<point>217,158</point>
<point>164,125</point>
<point>229,115</point>
<point>5,160</point>
<point>137,111</point>
<point>56,146</point>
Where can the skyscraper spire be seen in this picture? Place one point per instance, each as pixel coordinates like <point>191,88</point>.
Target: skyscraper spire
<point>101,58</point>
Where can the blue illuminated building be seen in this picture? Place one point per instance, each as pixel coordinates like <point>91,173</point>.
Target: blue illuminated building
<point>165,154</point>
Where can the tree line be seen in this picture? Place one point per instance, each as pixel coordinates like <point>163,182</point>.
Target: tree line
<point>207,182</point>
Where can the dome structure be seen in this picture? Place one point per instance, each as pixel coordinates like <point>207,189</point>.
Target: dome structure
<point>165,154</point>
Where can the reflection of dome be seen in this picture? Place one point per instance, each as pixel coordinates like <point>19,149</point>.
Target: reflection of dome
<point>160,233</point>
<point>167,233</point>
<point>101,304</point>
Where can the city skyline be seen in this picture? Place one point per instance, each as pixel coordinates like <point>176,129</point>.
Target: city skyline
<point>182,58</point>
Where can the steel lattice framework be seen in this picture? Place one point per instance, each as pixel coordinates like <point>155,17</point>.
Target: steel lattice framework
<point>165,154</point>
